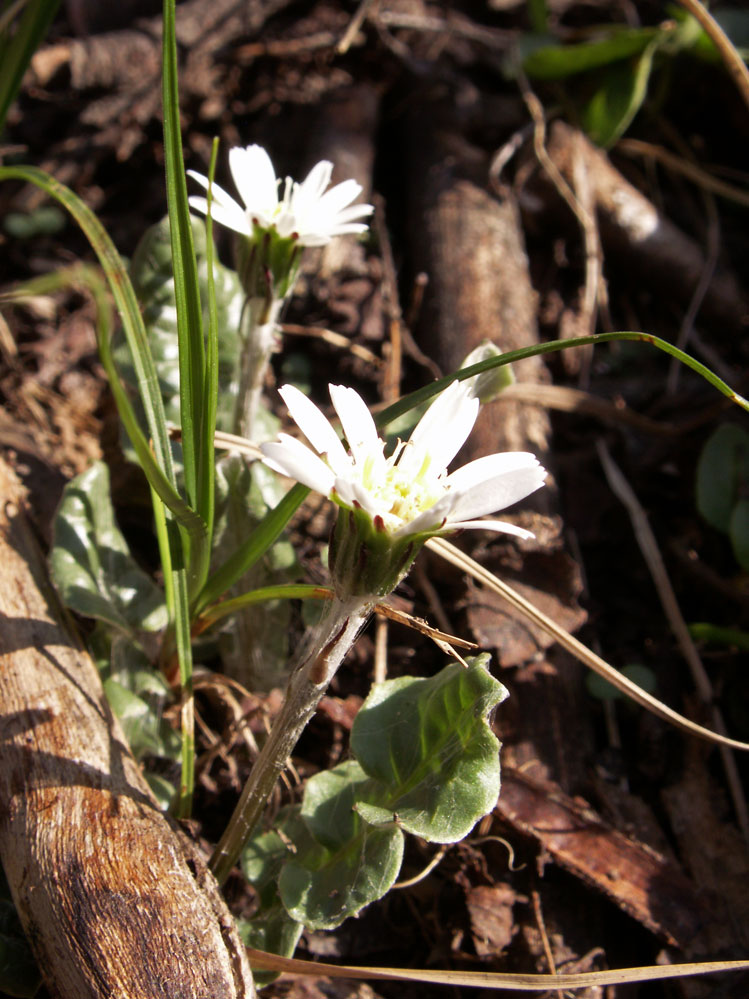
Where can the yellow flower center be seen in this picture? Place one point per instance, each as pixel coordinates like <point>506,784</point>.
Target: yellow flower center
<point>400,497</point>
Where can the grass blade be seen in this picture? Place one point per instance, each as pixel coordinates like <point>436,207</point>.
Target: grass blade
<point>424,394</point>
<point>189,313</point>
<point>17,50</point>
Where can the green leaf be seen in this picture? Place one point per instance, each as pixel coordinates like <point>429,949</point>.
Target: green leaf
<point>738,531</point>
<point>46,220</point>
<point>18,45</point>
<point>153,281</point>
<point>601,689</point>
<point>343,863</point>
<point>610,111</point>
<point>556,62</point>
<point>91,562</point>
<point>703,631</point>
<point>255,640</point>
<point>162,789</point>
<point>271,928</point>
<point>429,742</point>
<point>722,472</point>
<point>138,693</point>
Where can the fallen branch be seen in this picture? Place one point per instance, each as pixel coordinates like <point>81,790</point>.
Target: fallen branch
<point>114,899</point>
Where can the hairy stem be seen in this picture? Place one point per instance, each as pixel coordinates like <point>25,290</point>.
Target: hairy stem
<point>259,341</point>
<point>319,659</point>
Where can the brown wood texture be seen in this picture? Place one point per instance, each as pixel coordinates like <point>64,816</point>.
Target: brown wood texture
<point>116,901</point>
<point>469,242</point>
<point>639,880</point>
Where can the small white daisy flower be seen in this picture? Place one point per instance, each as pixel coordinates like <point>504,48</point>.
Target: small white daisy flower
<point>411,492</point>
<point>308,212</point>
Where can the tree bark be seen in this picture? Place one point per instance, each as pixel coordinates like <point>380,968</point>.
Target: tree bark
<point>115,900</point>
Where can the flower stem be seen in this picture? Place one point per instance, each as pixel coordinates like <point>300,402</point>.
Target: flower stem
<point>319,659</point>
<point>259,341</point>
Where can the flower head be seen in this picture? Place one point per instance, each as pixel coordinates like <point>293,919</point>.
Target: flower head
<point>408,496</point>
<point>307,212</point>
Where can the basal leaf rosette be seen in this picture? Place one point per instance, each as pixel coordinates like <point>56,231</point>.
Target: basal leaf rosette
<point>427,762</point>
<point>390,505</point>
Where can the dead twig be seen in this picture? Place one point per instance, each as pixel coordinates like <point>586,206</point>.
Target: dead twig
<point>651,553</point>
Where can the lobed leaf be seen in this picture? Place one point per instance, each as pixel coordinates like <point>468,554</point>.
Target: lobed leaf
<point>428,741</point>
<point>341,864</point>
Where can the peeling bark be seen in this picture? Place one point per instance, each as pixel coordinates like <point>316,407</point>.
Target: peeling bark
<point>115,901</point>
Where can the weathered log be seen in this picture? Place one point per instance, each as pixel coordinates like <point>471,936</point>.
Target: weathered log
<point>470,244</point>
<point>115,900</point>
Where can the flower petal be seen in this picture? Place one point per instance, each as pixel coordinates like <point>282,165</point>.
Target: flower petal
<point>337,198</point>
<point>312,187</point>
<point>358,426</point>
<point>231,215</point>
<point>219,194</point>
<point>353,493</point>
<point>255,179</point>
<point>290,457</point>
<point>500,526</point>
<point>488,467</point>
<point>496,493</point>
<point>442,430</point>
<point>316,428</point>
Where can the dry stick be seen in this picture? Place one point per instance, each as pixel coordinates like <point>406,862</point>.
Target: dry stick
<point>464,562</point>
<point>580,207</point>
<point>426,871</point>
<point>571,400</point>
<point>686,168</point>
<point>724,45</point>
<point>711,262</point>
<point>651,553</point>
<point>380,672</point>
<point>593,255</point>
<point>116,901</point>
<point>394,370</point>
<point>541,924</point>
<point>354,25</point>
<point>334,339</point>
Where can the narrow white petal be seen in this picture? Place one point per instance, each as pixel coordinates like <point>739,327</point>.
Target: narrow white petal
<point>352,492</point>
<point>500,526</point>
<point>255,178</point>
<point>353,212</point>
<point>432,519</point>
<point>442,430</point>
<point>338,197</point>
<point>290,457</point>
<point>316,428</point>
<point>497,493</point>
<point>488,467</point>
<point>230,215</point>
<point>314,238</point>
<point>358,426</point>
<point>219,194</point>
<point>315,182</point>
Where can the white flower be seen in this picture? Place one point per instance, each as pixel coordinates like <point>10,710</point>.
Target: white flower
<point>410,492</point>
<point>306,211</point>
